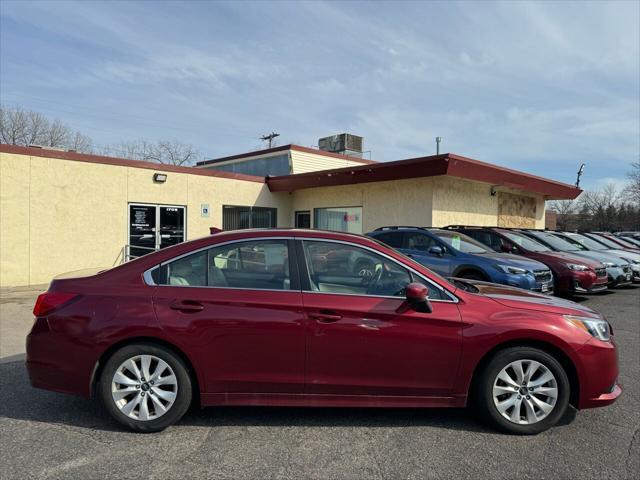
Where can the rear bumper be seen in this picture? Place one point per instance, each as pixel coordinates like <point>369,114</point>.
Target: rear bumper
<point>55,362</point>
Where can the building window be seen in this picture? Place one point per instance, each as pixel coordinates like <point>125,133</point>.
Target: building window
<point>238,218</point>
<point>275,165</point>
<point>303,219</point>
<point>342,219</point>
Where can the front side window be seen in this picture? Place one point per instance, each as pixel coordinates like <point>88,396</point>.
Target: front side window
<point>461,242</point>
<point>347,269</point>
<point>262,264</point>
<point>419,241</point>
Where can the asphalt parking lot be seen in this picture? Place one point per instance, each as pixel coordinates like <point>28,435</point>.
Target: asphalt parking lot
<point>49,435</point>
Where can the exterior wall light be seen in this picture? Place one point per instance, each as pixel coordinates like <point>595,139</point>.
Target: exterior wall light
<point>159,177</point>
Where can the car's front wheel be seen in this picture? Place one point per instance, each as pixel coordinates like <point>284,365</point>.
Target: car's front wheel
<point>523,390</point>
<point>145,387</point>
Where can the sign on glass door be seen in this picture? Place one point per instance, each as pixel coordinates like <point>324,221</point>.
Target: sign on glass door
<point>152,227</point>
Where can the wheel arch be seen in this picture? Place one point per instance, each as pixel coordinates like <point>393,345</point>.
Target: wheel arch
<point>553,350</point>
<point>467,268</point>
<point>97,369</point>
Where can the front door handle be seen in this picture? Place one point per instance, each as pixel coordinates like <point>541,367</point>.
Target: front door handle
<point>187,306</point>
<point>325,316</point>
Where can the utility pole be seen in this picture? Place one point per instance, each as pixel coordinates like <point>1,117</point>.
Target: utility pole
<point>269,138</point>
<point>579,174</point>
<point>438,140</point>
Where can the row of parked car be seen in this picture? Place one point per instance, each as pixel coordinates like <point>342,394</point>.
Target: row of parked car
<point>564,263</point>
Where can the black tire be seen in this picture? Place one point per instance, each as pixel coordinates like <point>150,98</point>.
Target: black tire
<point>484,390</point>
<point>176,410</point>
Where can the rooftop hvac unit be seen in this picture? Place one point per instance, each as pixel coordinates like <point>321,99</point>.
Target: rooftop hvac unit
<point>344,143</point>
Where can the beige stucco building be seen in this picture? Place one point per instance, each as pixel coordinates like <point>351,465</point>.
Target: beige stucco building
<point>63,211</point>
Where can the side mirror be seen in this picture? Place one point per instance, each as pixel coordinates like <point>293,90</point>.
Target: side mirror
<point>435,250</point>
<point>417,296</point>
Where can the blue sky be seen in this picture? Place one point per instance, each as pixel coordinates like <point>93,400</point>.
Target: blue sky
<point>540,87</point>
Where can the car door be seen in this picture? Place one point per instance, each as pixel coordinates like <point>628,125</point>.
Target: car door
<point>238,308</point>
<point>417,245</point>
<point>362,337</point>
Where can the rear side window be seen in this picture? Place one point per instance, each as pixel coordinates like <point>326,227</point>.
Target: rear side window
<point>393,239</point>
<point>420,241</point>
<point>260,264</point>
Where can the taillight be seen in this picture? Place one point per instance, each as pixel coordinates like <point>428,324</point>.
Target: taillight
<point>47,302</point>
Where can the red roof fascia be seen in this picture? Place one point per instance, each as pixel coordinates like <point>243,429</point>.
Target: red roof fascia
<point>124,162</point>
<point>445,164</point>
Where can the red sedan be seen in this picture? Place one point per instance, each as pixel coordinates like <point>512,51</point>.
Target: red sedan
<point>254,317</point>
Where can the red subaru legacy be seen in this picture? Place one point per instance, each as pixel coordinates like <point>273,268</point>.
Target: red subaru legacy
<point>257,317</point>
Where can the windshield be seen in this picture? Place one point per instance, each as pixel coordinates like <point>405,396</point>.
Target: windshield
<point>461,242</point>
<point>526,242</point>
<point>590,243</point>
<point>610,243</point>
<point>557,243</point>
<point>635,242</point>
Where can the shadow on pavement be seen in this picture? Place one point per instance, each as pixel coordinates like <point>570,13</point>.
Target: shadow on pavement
<point>18,400</point>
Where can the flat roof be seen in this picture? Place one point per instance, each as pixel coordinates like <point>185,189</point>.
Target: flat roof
<point>124,162</point>
<point>430,166</point>
<point>284,148</point>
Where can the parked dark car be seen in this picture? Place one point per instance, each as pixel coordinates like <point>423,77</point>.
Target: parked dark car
<point>572,274</point>
<point>618,271</point>
<point>453,254</point>
<point>192,323</point>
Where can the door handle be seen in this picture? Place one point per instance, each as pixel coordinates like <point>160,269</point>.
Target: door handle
<point>187,306</point>
<point>325,316</point>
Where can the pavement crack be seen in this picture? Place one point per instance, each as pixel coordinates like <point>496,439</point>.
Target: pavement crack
<point>634,439</point>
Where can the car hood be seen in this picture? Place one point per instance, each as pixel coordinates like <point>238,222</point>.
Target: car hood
<point>528,300</point>
<point>571,258</point>
<point>599,256</point>
<point>514,261</point>
<point>625,254</point>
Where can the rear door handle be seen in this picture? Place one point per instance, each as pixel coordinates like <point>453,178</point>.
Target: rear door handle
<point>187,306</point>
<point>325,316</point>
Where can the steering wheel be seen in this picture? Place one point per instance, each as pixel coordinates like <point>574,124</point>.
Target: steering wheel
<point>375,278</point>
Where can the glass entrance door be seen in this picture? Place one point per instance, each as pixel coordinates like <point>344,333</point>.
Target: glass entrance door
<point>152,227</point>
<point>142,230</point>
<point>171,226</point>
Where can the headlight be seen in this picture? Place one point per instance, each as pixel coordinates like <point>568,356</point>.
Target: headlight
<point>609,264</point>
<point>596,327</point>
<point>512,270</point>
<point>578,267</point>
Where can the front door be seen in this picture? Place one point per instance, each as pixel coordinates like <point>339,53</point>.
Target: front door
<point>303,219</point>
<point>238,308</point>
<point>152,227</point>
<point>362,339</point>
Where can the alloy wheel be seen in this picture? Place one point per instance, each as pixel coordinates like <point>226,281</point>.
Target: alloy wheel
<point>525,392</point>
<point>144,387</point>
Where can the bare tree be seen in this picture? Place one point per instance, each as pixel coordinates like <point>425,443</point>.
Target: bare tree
<point>162,151</point>
<point>26,127</point>
<point>13,125</point>
<point>566,210</point>
<point>633,189</point>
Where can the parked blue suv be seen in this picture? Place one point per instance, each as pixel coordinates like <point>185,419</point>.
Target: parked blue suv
<point>453,254</point>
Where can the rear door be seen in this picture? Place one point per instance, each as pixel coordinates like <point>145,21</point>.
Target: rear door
<point>363,339</point>
<point>237,308</point>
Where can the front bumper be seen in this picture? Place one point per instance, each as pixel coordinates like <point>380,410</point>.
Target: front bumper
<point>527,282</point>
<point>619,277</point>
<point>597,364</point>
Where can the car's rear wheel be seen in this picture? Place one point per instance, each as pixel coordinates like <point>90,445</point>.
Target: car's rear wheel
<point>523,390</point>
<point>145,387</point>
